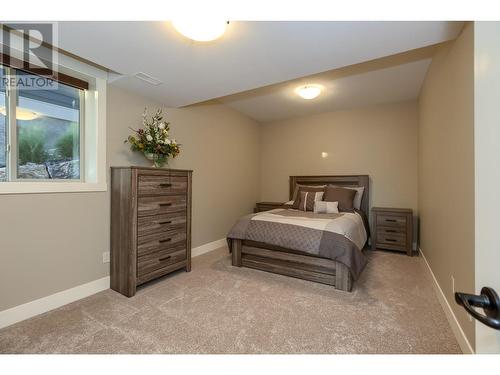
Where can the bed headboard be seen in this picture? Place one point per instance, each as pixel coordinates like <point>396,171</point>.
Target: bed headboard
<point>355,180</point>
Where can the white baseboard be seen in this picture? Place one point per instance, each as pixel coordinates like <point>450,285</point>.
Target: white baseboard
<point>42,305</point>
<point>452,319</point>
<point>196,251</point>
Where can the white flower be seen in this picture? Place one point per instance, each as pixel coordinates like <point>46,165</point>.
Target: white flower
<point>162,125</point>
<point>167,141</point>
<point>149,138</point>
<point>174,141</point>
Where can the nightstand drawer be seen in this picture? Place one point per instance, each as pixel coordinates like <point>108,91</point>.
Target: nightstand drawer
<point>267,206</point>
<point>391,230</point>
<point>391,220</point>
<point>391,238</point>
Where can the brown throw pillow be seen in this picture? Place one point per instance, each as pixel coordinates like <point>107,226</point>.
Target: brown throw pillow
<point>298,187</point>
<point>307,199</point>
<point>344,196</point>
<point>301,188</point>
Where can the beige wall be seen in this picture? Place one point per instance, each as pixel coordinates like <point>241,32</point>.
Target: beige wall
<point>218,143</point>
<point>53,242</point>
<point>379,141</point>
<point>446,170</point>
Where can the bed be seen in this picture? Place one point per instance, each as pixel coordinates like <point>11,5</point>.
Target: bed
<point>324,248</point>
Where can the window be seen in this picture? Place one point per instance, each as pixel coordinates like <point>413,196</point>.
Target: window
<point>53,139</point>
<point>41,131</point>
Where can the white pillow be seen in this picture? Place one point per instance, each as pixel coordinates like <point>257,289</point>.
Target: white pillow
<point>358,197</point>
<point>290,203</point>
<point>322,207</point>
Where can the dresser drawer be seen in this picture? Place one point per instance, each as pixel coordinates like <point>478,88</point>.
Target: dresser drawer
<point>160,241</point>
<point>391,220</point>
<point>154,261</point>
<point>161,223</point>
<point>161,272</point>
<point>148,206</point>
<point>161,185</point>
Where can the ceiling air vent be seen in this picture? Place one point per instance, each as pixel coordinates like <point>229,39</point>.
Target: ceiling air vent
<point>147,78</point>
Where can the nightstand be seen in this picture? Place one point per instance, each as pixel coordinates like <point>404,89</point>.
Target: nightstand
<point>393,229</point>
<point>266,206</point>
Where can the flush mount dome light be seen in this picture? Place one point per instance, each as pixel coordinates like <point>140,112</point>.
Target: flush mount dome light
<point>309,92</point>
<point>201,30</point>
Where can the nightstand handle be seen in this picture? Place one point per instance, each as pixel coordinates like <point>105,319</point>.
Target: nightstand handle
<point>390,240</point>
<point>391,220</point>
<point>390,231</point>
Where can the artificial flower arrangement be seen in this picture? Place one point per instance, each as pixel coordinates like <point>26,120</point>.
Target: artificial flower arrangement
<point>153,140</point>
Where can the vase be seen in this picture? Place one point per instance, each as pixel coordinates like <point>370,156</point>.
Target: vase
<point>157,159</point>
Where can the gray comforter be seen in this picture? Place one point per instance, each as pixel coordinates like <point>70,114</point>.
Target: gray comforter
<point>339,237</point>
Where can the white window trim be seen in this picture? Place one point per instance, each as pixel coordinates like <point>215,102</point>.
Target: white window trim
<point>94,173</point>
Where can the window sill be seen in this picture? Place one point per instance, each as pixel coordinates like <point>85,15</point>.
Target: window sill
<point>50,187</point>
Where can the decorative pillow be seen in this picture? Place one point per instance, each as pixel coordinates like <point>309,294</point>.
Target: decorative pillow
<point>344,196</point>
<point>304,188</point>
<point>358,197</point>
<point>299,187</point>
<point>308,198</point>
<point>322,207</point>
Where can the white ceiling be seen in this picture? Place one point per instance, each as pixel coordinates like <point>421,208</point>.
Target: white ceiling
<point>279,102</point>
<point>250,55</point>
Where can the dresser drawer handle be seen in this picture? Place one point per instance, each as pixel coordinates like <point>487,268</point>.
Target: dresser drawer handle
<point>164,185</point>
<point>167,240</point>
<point>165,258</point>
<point>165,204</point>
<point>390,240</point>
<point>165,222</point>
<point>391,220</point>
<point>390,231</point>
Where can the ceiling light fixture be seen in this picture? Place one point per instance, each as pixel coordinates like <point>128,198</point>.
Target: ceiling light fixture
<point>309,92</point>
<point>201,30</point>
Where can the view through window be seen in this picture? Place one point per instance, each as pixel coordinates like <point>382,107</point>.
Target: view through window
<point>47,132</point>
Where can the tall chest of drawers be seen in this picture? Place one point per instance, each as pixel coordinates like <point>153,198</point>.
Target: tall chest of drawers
<point>150,225</point>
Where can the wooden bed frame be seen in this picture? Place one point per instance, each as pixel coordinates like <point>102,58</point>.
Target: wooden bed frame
<point>295,263</point>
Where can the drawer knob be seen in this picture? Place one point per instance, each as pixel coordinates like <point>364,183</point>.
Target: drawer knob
<point>390,231</point>
<point>165,204</point>
<point>390,240</point>
<point>166,240</point>
<point>165,222</point>
<point>391,220</point>
<point>164,185</point>
<point>165,258</point>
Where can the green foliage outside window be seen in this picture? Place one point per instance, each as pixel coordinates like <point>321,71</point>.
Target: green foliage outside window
<point>31,141</point>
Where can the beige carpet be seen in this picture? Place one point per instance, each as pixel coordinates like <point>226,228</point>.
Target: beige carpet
<point>218,308</point>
